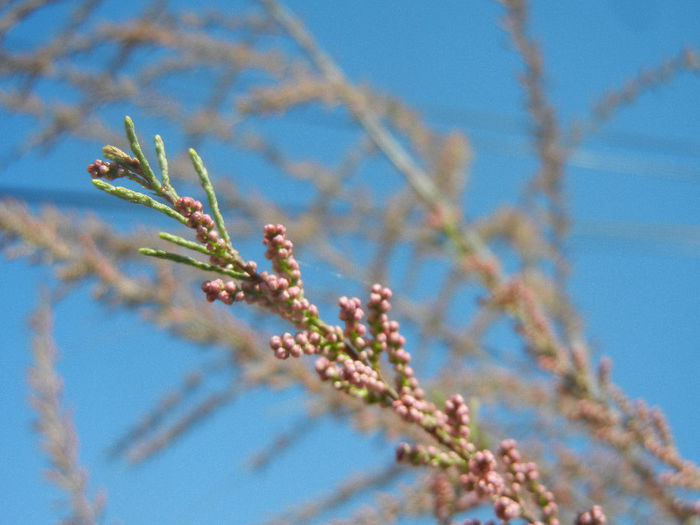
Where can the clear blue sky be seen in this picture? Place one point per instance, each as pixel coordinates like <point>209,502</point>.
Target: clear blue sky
<point>634,191</point>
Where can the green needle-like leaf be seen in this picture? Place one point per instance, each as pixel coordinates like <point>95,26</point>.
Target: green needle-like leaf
<point>136,149</point>
<point>138,198</point>
<point>163,164</point>
<point>184,243</point>
<point>211,196</point>
<point>160,254</point>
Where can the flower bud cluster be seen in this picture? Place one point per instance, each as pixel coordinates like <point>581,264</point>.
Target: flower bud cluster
<point>377,319</point>
<point>352,313</point>
<point>384,335</point>
<point>304,342</point>
<point>281,294</point>
<point>348,358</point>
<point>278,295</point>
<point>204,226</point>
<point>350,361</point>
<point>481,476</point>
<point>363,376</point>
<point>354,377</point>
<point>505,482</point>
<point>523,476</point>
<point>227,292</point>
<point>533,323</point>
<point>444,497</point>
<point>457,424</point>
<point>105,170</point>
<point>280,252</point>
<point>412,407</point>
<point>488,267</point>
<point>503,478</point>
<point>595,516</point>
<point>327,369</point>
<point>398,356</point>
<point>186,206</point>
<point>506,508</point>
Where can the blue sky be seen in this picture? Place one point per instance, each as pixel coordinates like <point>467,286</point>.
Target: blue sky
<point>634,190</point>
